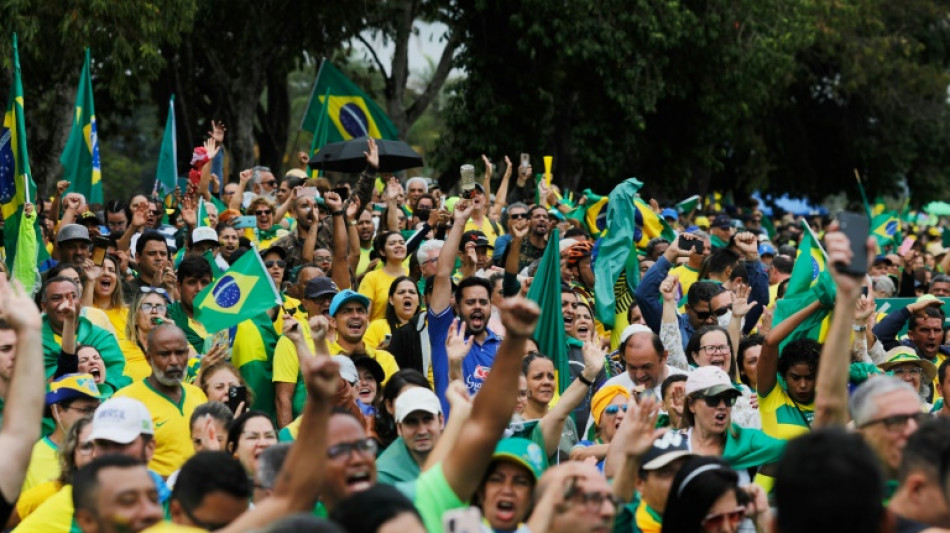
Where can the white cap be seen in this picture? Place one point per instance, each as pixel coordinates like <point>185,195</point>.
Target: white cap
<point>710,380</point>
<point>347,368</point>
<point>203,234</point>
<point>565,244</point>
<point>631,329</point>
<point>121,420</point>
<point>417,399</point>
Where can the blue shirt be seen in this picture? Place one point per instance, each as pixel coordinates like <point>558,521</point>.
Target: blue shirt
<point>475,367</point>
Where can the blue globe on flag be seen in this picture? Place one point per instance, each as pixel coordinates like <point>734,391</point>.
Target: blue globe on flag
<point>353,120</point>
<point>891,228</point>
<point>815,268</point>
<point>227,293</point>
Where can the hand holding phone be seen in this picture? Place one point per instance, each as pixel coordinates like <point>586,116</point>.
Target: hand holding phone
<point>857,228</point>
<point>237,394</point>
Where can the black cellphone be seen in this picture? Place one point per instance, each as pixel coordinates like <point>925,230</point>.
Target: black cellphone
<point>343,192</point>
<point>695,244</point>
<point>99,247</point>
<point>237,394</point>
<point>857,229</point>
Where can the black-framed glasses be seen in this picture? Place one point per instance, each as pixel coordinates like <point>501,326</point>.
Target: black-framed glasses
<point>273,262</point>
<point>518,216</point>
<point>714,401</point>
<point>86,411</point>
<point>364,447</point>
<point>269,183</point>
<point>703,315</point>
<point>898,422</point>
<point>714,348</point>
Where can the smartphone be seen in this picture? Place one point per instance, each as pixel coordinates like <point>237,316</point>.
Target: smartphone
<point>307,192</point>
<point>237,394</point>
<point>245,222</point>
<point>343,192</point>
<point>696,245</point>
<point>467,520</point>
<point>906,246</point>
<point>423,214</point>
<point>99,247</point>
<point>525,161</point>
<point>857,229</point>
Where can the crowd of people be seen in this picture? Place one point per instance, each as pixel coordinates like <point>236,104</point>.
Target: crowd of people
<point>400,386</point>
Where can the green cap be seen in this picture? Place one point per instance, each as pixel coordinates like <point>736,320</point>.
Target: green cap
<point>522,452</point>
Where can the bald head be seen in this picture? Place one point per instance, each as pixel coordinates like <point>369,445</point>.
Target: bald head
<point>162,332</point>
<point>645,359</point>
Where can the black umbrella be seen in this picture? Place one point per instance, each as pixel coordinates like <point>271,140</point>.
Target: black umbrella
<point>348,156</point>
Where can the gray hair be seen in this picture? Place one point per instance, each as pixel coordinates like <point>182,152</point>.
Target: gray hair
<point>886,285</point>
<point>939,278</point>
<point>513,205</point>
<point>699,233</point>
<point>44,297</point>
<point>270,463</point>
<point>863,403</point>
<point>427,249</point>
<point>256,174</point>
<point>418,179</point>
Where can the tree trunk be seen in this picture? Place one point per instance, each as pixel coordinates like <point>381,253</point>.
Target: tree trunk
<point>274,122</point>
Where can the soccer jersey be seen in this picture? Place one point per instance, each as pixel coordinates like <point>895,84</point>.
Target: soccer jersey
<point>136,365</point>
<point>375,286</point>
<point>44,464</point>
<point>253,355</point>
<point>172,423</point>
<point>782,417</point>
<point>287,369</point>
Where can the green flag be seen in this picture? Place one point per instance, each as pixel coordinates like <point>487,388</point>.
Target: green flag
<point>321,132</point>
<point>215,269</point>
<point>810,261</point>
<point>351,112</point>
<point>688,205</point>
<point>812,327</point>
<point>201,214</point>
<point>166,175</point>
<point>244,291</point>
<point>616,269</point>
<point>17,187</point>
<point>81,155</point>
<point>546,291</point>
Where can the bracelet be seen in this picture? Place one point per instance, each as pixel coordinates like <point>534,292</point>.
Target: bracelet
<point>339,213</point>
<point>859,328</point>
<point>351,223</point>
<point>585,381</point>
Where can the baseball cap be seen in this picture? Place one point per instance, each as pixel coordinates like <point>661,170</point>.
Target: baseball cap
<point>320,286</point>
<point>347,368</point>
<point>345,296</point>
<point>416,399</point>
<point>73,232</point>
<point>522,452</point>
<point>722,222</point>
<point>475,236</point>
<point>121,420</point>
<point>701,222</point>
<point>72,387</point>
<point>204,234</point>
<point>666,449</point>
<point>367,362</point>
<point>669,213</point>
<point>709,380</point>
<point>88,216</point>
<point>632,329</point>
<point>766,249</point>
<point>882,260</point>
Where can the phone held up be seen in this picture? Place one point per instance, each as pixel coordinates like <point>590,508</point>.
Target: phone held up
<point>857,228</point>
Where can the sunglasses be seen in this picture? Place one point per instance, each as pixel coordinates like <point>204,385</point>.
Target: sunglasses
<point>270,183</point>
<point>263,212</point>
<point>519,216</point>
<point>703,315</point>
<point>714,401</point>
<point>273,262</point>
<point>157,290</point>
<point>614,409</point>
<point>897,422</point>
<point>714,522</point>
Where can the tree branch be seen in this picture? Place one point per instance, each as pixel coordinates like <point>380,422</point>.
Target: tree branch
<point>372,52</point>
<point>438,79</point>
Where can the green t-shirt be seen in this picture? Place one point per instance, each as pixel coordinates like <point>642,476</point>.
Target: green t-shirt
<point>432,496</point>
<point>396,464</point>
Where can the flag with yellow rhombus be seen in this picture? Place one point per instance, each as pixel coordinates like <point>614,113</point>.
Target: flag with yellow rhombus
<point>243,291</point>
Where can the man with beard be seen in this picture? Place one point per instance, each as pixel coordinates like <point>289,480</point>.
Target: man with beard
<point>169,401</point>
<point>365,229</point>
<point>533,247</point>
<point>61,298</point>
<point>924,321</point>
<point>473,307</point>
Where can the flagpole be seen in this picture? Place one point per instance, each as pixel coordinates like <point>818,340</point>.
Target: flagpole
<point>26,187</point>
<point>312,92</point>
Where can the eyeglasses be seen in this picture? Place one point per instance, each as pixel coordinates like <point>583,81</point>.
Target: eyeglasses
<point>613,409</point>
<point>593,500</point>
<point>897,422</point>
<point>273,262</point>
<point>343,449</point>
<point>269,183</point>
<point>714,348</point>
<point>156,212</point>
<point>322,259</point>
<point>86,411</point>
<point>714,522</point>
<point>157,290</point>
<point>518,216</point>
<point>704,315</point>
<point>916,370</point>
<point>714,401</point>
<point>148,308</point>
<point>264,212</point>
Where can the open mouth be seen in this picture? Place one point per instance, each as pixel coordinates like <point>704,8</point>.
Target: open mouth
<point>476,319</point>
<point>583,329</point>
<point>354,326</point>
<point>505,511</point>
<point>408,305</point>
<point>105,283</point>
<point>96,374</point>
<point>721,418</point>
<point>568,320</point>
<point>718,361</point>
<point>358,481</point>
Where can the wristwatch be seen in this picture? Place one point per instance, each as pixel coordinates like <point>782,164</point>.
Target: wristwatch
<point>351,223</point>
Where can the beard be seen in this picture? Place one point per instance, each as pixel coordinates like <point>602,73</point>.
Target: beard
<point>173,380</point>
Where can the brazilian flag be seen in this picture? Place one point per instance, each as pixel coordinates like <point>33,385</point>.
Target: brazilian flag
<point>884,228</point>
<point>809,263</point>
<point>81,155</point>
<point>243,291</point>
<point>351,112</point>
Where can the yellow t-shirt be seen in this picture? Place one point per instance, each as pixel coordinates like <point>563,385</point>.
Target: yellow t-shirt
<point>364,261</point>
<point>55,515</point>
<point>31,500</point>
<point>99,318</point>
<point>485,228</point>
<point>44,464</point>
<point>171,421</point>
<point>136,365</point>
<point>171,527</point>
<point>375,286</point>
<point>118,317</point>
<point>781,417</point>
<point>286,359</point>
<point>384,358</point>
<point>376,332</point>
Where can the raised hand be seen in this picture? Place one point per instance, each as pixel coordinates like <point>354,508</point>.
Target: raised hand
<point>28,209</point>
<point>593,360</point>
<point>839,253</point>
<point>748,244</point>
<point>520,316</point>
<point>353,208</point>
<point>668,288</point>
<point>864,308</point>
<point>333,201</point>
<point>61,187</point>
<point>188,212</point>
<point>17,308</point>
<point>217,353</point>
<point>741,305</point>
<point>209,437</point>
<point>488,166</point>
<point>318,327</point>
<point>91,271</point>
<point>322,377</point>
<point>245,176</point>
<point>217,134</point>
<point>372,155</point>
<point>638,428</point>
<point>507,168</point>
<point>291,329</point>
<point>211,148</point>
<point>140,216</point>
<point>457,395</point>
<point>463,210</point>
<point>393,190</point>
<point>655,206</point>
<point>456,346</point>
